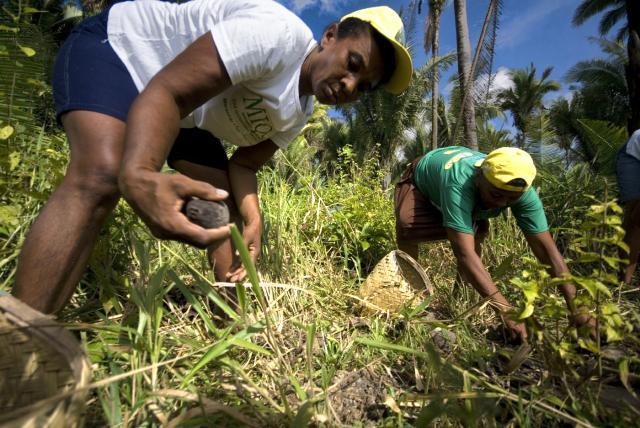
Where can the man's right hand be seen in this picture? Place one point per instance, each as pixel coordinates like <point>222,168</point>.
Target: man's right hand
<point>158,199</point>
<point>516,330</point>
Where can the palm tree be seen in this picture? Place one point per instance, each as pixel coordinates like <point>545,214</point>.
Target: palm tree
<point>464,73</point>
<point>376,122</point>
<point>431,42</point>
<point>602,93</point>
<point>615,12</point>
<point>490,138</point>
<point>525,97</point>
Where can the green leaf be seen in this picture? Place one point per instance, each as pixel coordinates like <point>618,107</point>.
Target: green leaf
<point>612,334</point>
<point>217,299</point>
<point>238,242</point>
<point>250,346</point>
<point>29,10</point>
<point>192,300</point>
<point>9,29</point>
<point>215,352</point>
<point>300,393</point>
<point>526,312</point>
<point>218,350</point>
<point>6,132</point>
<point>14,160</point>
<point>27,50</point>
<point>592,286</point>
<point>9,215</point>
<point>304,415</point>
<point>588,258</point>
<point>623,366</point>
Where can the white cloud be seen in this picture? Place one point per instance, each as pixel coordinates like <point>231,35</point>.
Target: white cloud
<point>522,25</point>
<point>500,80</point>
<point>298,6</point>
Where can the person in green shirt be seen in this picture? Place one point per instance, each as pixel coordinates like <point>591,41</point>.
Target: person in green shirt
<point>452,192</point>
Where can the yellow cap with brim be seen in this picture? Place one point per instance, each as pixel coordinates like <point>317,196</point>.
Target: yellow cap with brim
<point>387,22</point>
<point>506,164</point>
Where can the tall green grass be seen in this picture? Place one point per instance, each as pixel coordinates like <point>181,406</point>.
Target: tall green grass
<point>168,349</point>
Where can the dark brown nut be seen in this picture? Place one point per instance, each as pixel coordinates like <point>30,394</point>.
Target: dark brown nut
<point>208,214</point>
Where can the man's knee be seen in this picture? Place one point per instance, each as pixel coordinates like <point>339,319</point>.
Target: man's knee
<point>98,185</point>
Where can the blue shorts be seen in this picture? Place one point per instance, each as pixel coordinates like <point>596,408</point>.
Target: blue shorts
<point>628,173</point>
<point>88,75</point>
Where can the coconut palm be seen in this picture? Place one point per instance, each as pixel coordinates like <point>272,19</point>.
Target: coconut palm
<point>602,91</point>
<point>491,138</point>
<point>464,73</point>
<point>431,42</point>
<point>599,93</point>
<point>615,12</point>
<point>525,97</point>
<point>584,139</point>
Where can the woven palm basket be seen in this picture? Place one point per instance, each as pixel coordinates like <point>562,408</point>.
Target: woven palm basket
<point>395,281</point>
<point>42,370</point>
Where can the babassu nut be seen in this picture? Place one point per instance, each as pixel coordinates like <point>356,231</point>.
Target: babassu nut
<point>208,214</point>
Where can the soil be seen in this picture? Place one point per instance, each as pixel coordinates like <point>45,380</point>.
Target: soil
<point>359,397</point>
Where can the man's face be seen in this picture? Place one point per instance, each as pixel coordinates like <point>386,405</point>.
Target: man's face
<point>345,68</point>
<point>493,198</point>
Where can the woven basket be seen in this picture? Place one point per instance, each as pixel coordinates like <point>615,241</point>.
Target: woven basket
<point>42,369</point>
<point>396,280</point>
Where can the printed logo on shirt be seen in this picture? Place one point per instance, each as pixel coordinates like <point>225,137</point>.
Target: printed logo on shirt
<point>256,118</point>
<point>456,158</point>
<point>249,118</point>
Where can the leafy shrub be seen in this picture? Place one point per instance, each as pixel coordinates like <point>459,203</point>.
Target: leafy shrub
<point>595,246</point>
<point>359,222</point>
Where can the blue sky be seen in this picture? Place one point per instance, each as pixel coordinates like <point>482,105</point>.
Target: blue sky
<point>537,31</point>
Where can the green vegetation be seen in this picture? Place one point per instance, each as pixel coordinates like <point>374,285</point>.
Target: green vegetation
<point>167,348</point>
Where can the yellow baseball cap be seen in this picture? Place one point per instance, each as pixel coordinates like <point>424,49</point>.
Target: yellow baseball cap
<point>387,22</point>
<point>508,163</point>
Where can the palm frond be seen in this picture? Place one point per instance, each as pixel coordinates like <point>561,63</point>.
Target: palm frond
<point>590,8</point>
<point>611,18</point>
<point>602,141</point>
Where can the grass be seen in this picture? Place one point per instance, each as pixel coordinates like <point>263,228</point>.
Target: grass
<point>147,312</point>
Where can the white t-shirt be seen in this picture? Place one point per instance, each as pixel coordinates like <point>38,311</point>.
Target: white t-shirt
<point>260,42</point>
<point>633,146</point>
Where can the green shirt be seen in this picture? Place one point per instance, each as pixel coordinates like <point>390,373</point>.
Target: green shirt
<point>446,177</point>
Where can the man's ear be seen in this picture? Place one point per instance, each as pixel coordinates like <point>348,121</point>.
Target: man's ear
<point>330,35</point>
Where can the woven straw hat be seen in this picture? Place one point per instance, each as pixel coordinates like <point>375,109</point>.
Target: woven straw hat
<point>395,281</point>
<point>42,369</point>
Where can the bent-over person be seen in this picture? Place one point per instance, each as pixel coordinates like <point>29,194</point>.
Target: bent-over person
<point>628,173</point>
<point>452,192</point>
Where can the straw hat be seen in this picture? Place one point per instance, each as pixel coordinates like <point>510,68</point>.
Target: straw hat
<point>396,280</point>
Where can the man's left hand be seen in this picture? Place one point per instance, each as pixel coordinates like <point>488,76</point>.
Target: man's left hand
<point>581,318</point>
<point>251,234</point>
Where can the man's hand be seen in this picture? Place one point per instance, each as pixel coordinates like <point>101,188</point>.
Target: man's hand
<point>516,330</point>
<point>158,199</point>
<point>251,234</point>
<point>581,318</point>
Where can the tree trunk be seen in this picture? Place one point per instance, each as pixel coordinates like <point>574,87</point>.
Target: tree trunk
<point>434,90</point>
<point>464,73</point>
<point>633,69</point>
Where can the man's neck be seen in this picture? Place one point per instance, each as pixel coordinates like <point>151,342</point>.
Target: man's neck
<point>304,84</point>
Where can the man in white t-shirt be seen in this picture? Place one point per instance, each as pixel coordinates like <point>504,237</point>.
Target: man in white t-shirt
<point>150,81</point>
<point>628,173</point>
